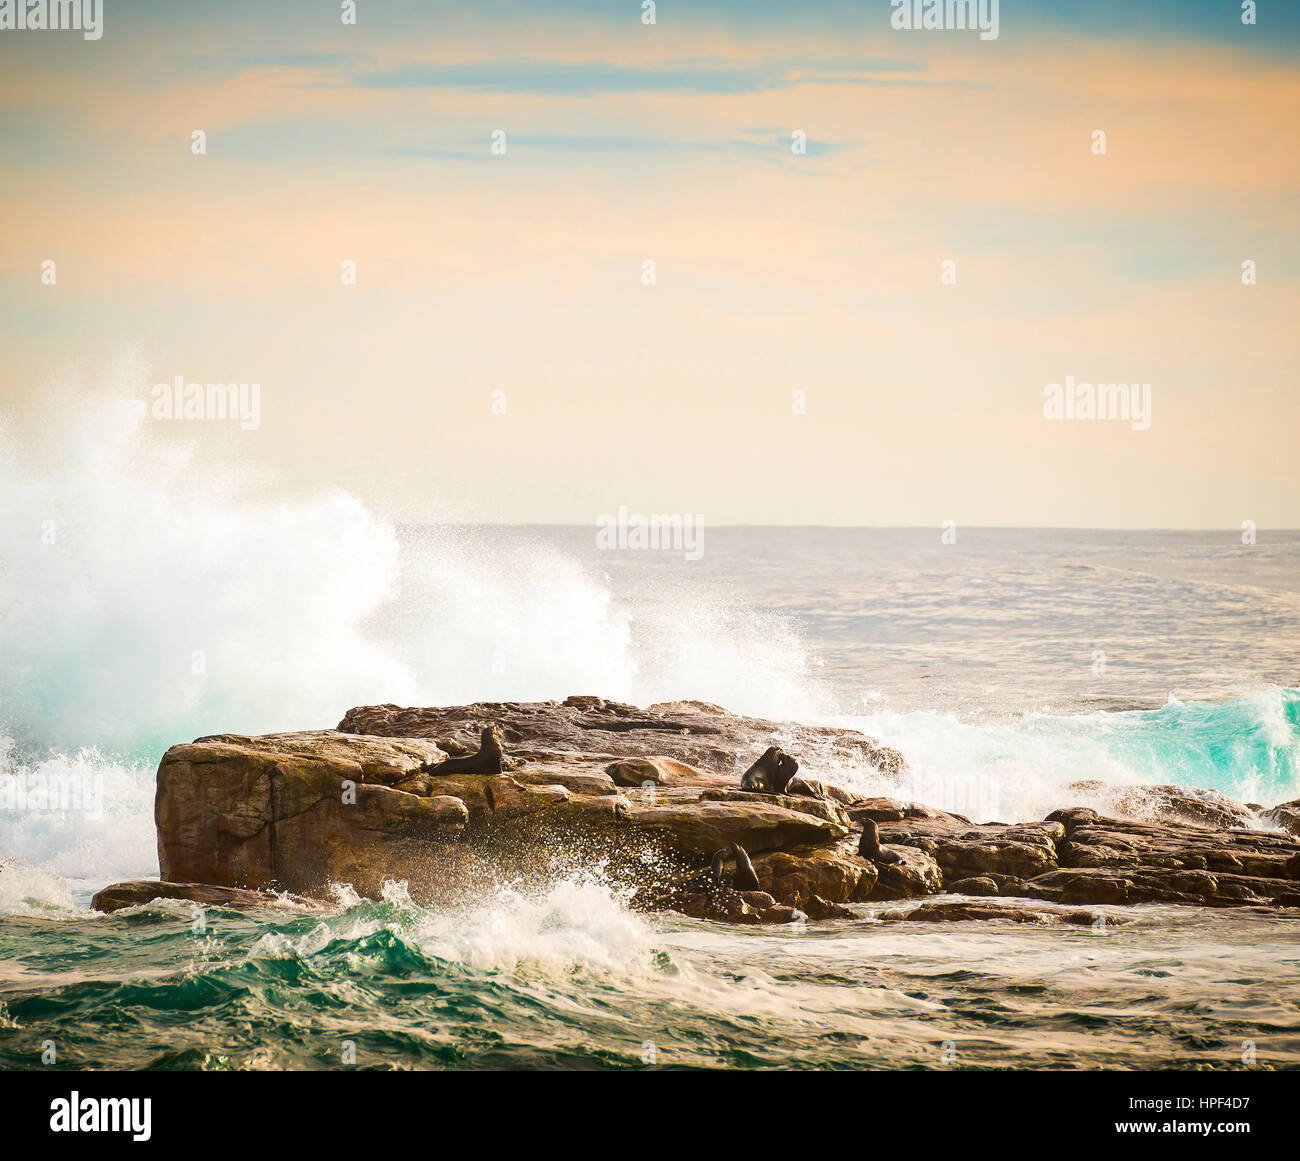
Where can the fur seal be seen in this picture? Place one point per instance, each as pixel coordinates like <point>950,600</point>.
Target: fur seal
<point>771,774</point>
<point>744,878</point>
<point>490,759</point>
<point>869,844</point>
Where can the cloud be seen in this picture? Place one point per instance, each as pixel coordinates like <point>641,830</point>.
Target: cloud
<point>760,145</point>
<point>301,60</point>
<point>592,78</point>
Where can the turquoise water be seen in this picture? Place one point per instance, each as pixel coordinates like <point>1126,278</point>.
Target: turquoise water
<point>979,660</point>
<point>570,979</point>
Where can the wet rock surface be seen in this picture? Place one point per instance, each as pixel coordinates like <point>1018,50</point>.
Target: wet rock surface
<point>959,912</point>
<point>136,892</point>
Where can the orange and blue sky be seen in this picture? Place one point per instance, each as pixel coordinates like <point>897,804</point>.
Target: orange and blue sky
<point>775,272</point>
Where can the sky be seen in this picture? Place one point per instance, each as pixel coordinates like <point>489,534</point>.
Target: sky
<point>798,356</point>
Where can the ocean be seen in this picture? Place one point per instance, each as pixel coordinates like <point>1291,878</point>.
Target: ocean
<point>1005,665</point>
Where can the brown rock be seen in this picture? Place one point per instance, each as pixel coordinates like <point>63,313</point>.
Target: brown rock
<point>295,812</point>
<point>420,785</point>
<point>701,827</point>
<point>826,791</point>
<point>960,912</point>
<point>800,804</point>
<point>1093,841</point>
<point>302,811</point>
<point>661,772</point>
<point>979,885</point>
<point>1286,815</point>
<point>781,913</point>
<point>1103,885</point>
<point>893,810</point>
<point>1179,805</point>
<point>578,781</point>
<point>963,850</point>
<point>135,892</point>
<point>817,908</point>
<point>916,873</point>
<point>511,799</point>
<point>796,877</point>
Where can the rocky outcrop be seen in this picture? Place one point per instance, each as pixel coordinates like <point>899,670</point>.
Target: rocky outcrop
<point>1107,860</point>
<point>697,826</point>
<point>915,873</point>
<point>301,811</point>
<point>297,812</point>
<point>958,912</point>
<point>1166,804</point>
<point>962,850</point>
<point>651,795</point>
<point>1285,815</point>
<point>659,771</point>
<point>834,875</point>
<point>137,892</point>
<point>692,732</point>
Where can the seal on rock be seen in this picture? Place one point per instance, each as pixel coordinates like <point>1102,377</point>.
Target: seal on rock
<point>771,774</point>
<point>869,845</point>
<point>490,759</point>
<point>744,878</point>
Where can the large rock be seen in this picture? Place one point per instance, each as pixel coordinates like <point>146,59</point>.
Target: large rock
<point>963,850</point>
<point>1179,805</point>
<point>916,873</point>
<point>702,826</point>
<point>1103,885</point>
<point>827,809</point>
<point>795,877</point>
<point>1109,860</point>
<point>1093,841</point>
<point>296,812</point>
<point>895,810</point>
<point>660,771</point>
<point>136,892</point>
<point>960,912</point>
<point>650,795</point>
<point>1286,815</point>
<point>304,811</point>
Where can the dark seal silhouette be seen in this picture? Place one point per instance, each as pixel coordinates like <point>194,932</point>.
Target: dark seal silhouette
<point>869,844</point>
<point>490,759</point>
<point>744,879</point>
<point>715,877</point>
<point>771,774</point>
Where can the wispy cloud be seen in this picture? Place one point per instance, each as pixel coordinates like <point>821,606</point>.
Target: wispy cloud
<point>763,145</point>
<point>592,78</point>
<point>301,60</point>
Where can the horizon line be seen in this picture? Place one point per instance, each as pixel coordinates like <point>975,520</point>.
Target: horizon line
<point>851,527</point>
